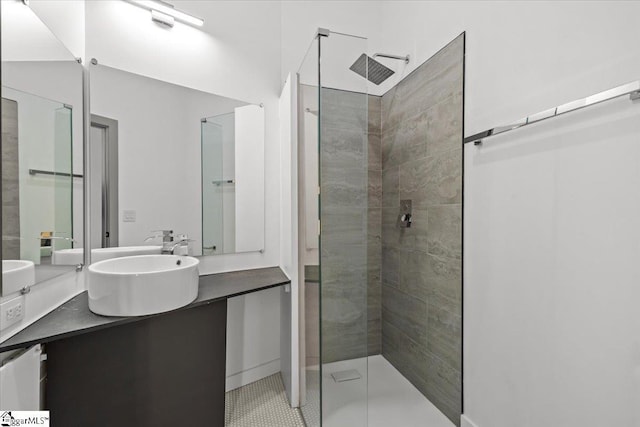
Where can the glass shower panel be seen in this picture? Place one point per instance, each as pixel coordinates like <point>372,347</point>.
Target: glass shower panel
<point>215,188</point>
<point>344,167</point>
<point>308,239</point>
<point>343,202</point>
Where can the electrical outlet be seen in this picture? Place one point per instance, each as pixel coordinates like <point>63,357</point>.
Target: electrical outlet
<point>11,311</point>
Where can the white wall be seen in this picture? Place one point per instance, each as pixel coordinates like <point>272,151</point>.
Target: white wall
<point>249,174</point>
<point>253,337</point>
<point>289,262</point>
<point>521,57</point>
<point>66,20</point>
<point>552,328</point>
<point>26,38</point>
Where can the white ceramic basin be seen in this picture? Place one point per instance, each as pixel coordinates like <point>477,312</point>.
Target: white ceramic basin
<point>16,274</point>
<point>68,256</point>
<point>76,256</point>
<point>141,285</point>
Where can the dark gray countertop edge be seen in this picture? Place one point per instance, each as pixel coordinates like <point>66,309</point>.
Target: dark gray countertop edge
<point>73,317</point>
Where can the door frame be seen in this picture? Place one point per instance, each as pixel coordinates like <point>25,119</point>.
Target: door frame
<point>109,179</point>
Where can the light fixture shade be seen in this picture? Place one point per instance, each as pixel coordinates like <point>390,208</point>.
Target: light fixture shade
<point>162,18</point>
<point>169,10</point>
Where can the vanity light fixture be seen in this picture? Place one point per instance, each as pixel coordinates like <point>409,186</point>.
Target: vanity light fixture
<point>166,13</point>
<point>162,18</point>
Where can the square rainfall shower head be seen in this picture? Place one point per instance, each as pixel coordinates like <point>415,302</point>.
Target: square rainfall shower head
<point>377,73</point>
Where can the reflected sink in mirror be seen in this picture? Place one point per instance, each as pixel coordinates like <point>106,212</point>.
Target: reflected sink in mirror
<point>17,274</point>
<point>76,256</point>
<point>142,285</point>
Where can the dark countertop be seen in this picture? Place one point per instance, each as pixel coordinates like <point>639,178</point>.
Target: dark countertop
<point>74,317</point>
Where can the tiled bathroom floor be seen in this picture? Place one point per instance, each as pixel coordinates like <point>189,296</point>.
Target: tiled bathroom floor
<point>261,404</point>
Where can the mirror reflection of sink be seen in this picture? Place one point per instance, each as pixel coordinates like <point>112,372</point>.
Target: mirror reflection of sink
<point>142,285</point>
<point>76,256</point>
<point>16,274</point>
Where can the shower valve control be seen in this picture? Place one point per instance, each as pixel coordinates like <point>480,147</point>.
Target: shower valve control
<point>405,213</point>
<point>405,220</point>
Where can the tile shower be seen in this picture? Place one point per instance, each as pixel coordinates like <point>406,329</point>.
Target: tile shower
<point>421,265</point>
<point>385,289</point>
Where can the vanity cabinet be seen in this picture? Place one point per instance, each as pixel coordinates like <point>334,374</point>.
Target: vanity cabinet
<point>162,370</point>
<point>159,370</point>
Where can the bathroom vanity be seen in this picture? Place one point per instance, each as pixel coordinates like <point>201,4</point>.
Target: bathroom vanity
<point>162,369</point>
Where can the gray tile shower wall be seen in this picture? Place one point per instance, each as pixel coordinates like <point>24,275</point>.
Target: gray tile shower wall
<point>351,215</point>
<point>10,181</point>
<point>421,160</point>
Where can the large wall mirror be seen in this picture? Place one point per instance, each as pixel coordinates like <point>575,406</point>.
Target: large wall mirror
<point>42,166</point>
<point>166,158</point>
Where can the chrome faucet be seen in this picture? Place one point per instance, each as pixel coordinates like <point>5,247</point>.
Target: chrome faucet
<point>169,248</point>
<point>167,236</point>
<point>169,242</point>
<point>181,241</point>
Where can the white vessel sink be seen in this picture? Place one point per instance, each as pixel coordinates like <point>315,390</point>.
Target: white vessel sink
<point>68,257</point>
<point>142,285</point>
<point>76,256</point>
<point>16,274</point>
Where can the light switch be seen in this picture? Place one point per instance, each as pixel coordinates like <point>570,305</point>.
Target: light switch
<point>129,216</point>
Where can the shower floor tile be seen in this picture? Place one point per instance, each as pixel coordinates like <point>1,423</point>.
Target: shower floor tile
<point>392,399</point>
<point>261,404</point>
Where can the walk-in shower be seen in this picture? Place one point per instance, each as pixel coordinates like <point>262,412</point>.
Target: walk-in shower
<point>380,194</point>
